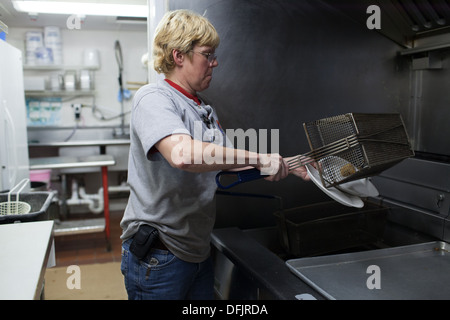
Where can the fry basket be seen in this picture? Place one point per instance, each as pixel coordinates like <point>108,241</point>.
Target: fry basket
<point>357,145</point>
<point>15,207</point>
<point>328,227</point>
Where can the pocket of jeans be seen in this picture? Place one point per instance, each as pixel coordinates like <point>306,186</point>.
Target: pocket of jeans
<point>158,259</point>
<point>124,262</point>
<point>156,271</point>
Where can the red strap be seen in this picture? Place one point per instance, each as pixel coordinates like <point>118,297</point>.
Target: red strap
<point>187,94</point>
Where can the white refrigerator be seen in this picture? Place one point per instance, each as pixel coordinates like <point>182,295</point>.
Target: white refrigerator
<point>14,163</point>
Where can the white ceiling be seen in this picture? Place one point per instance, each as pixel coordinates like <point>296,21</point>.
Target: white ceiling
<point>13,18</point>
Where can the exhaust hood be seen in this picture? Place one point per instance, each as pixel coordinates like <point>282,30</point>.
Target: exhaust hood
<point>403,21</point>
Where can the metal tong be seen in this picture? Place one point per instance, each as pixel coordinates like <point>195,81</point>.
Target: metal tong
<point>315,155</point>
<point>294,163</point>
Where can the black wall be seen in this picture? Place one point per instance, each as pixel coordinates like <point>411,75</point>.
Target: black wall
<point>285,62</point>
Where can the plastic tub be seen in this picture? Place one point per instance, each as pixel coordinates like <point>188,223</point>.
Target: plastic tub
<point>38,186</point>
<point>41,176</point>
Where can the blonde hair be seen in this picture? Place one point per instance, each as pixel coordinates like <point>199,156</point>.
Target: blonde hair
<point>181,30</point>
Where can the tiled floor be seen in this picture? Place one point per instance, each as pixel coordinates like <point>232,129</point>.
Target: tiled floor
<point>91,247</point>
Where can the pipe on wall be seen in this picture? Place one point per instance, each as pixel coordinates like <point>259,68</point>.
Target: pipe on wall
<point>93,201</point>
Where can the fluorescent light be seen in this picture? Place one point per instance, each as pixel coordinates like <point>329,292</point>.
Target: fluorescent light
<point>81,8</point>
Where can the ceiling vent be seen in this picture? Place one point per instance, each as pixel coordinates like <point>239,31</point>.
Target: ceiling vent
<point>402,20</point>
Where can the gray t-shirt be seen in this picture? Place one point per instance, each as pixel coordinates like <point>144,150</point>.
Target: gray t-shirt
<point>180,204</point>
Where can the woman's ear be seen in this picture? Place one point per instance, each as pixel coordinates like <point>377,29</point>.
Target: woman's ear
<point>178,57</point>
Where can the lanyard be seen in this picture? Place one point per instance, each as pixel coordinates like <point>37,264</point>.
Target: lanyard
<point>207,116</point>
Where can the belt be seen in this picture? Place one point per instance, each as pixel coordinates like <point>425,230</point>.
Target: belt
<point>159,245</point>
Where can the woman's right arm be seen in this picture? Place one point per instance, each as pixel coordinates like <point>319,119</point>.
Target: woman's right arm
<point>184,153</point>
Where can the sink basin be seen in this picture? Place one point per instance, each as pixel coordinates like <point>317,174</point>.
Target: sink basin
<point>39,202</point>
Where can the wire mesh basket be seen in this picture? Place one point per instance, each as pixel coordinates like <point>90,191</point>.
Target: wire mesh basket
<point>328,227</point>
<point>357,145</point>
<point>15,207</point>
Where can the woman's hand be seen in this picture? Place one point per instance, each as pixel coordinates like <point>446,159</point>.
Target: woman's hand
<point>300,171</point>
<point>274,166</point>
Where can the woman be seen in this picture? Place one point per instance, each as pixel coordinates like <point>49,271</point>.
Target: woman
<point>174,136</point>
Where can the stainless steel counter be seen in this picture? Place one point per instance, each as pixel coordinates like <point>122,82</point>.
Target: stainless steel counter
<point>256,272</point>
<point>250,264</point>
<point>82,143</point>
<point>90,225</point>
<point>26,250</point>
<point>117,148</point>
<point>411,272</point>
<point>71,162</point>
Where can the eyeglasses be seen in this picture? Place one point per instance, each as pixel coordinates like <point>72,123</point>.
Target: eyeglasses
<point>208,55</point>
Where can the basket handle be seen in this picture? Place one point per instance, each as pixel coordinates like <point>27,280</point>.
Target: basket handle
<point>22,184</point>
<point>241,177</point>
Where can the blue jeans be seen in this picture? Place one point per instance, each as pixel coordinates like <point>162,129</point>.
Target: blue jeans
<point>162,276</point>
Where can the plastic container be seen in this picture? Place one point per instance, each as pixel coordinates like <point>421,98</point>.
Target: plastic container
<point>38,186</point>
<point>41,176</point>
<point>52,41</point>
<point>329,227</point>
<point>39,202</point>
<point>33,40</point>
<point>3,31</point>
<point>43,111</point>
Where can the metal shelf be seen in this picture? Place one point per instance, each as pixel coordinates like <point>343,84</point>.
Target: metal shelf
<point>64,228</point>
<point>442,46</point>
<point>49,93</point>
<point>68,94</point>
<point>51,67</point>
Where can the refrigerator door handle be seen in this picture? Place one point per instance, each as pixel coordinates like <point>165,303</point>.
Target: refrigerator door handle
<point>11,142</point>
